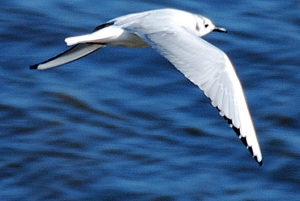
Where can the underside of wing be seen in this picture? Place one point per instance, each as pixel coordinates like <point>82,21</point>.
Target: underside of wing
<point>210,69</point>
<point>72,54</point>
<point>80,49</point>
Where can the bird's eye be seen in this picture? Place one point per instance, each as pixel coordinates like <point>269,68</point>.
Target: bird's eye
<point>206,25</point>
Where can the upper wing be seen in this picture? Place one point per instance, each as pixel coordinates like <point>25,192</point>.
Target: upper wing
<point>210,69</point>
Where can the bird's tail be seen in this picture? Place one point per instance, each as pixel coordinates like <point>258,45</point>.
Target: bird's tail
<point>78,39</point>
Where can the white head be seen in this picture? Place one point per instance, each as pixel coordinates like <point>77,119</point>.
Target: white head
<point>205,26</point>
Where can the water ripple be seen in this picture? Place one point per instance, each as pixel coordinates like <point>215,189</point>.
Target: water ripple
<point>123,124</point>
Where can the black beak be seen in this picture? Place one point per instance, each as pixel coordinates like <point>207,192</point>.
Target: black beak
<point>219,29</point>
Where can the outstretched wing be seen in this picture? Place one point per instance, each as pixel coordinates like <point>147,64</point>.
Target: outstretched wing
<point>79,50</point>
<point>210,69</point>
<point>72,54</point>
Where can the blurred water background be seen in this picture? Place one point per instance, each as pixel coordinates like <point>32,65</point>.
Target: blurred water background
<point>123,124</point>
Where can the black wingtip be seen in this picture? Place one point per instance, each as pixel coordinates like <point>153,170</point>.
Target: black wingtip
<point>35,66</point>
<point>259,162</point>
<point>243,139</point>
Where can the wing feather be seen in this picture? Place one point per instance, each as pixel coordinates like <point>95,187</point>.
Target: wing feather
<point>76,52</point>
<point>209,68</point>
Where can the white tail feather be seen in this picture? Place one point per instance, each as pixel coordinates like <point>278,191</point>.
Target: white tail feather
<point>105,35</point>
<point>77,39</point>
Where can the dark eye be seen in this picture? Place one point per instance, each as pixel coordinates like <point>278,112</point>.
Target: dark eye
<point>206,25</point>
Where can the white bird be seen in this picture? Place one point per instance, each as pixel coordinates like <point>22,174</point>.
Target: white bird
<point>176,35</point>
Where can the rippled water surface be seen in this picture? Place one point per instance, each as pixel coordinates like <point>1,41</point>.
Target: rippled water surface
<point>123,124</point>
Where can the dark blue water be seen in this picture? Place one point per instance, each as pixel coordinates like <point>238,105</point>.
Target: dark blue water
<point>123,124</point>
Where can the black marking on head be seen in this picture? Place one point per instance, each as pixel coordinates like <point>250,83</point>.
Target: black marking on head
<point>206,25</point>
<point>103,26</point>
<point>197,27</point>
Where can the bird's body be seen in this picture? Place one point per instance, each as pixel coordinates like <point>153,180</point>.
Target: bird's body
<point>176,35</point>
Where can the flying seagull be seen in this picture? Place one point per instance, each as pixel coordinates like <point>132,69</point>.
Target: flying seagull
<point>176,35</point>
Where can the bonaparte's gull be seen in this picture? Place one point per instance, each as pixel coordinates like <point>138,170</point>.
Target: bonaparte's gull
<point>176,35</point>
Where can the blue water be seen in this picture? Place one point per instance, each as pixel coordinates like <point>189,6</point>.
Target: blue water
<point>123,124</point>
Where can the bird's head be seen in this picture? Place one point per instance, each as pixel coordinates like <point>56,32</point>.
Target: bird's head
<point>205,26</point>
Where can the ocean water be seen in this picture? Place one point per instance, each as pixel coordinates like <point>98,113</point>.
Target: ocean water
<point>124,124</point>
